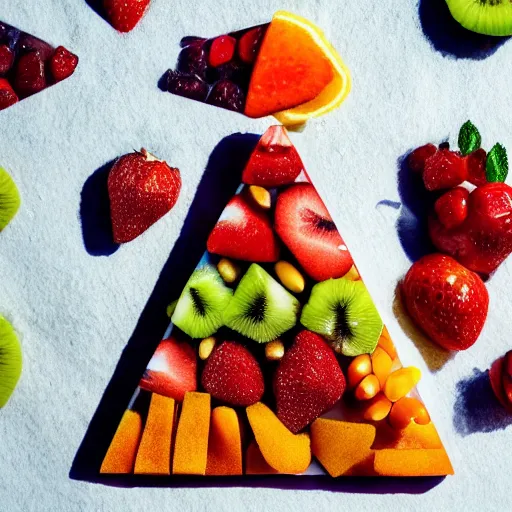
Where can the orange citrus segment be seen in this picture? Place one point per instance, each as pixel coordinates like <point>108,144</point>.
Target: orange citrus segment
<point>294,65</point>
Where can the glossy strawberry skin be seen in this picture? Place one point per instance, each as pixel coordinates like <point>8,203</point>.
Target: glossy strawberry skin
<point>306,228</point>
<point>476,163</point>
<point>172,371</point>
<point>125,14</point>
<point>444,169</point>
<point>29,75</point>
<point>447,301</point>
<point>308,381</point>
<point>244,232</point>
<point>416,160</point>
<point>141,190</point>
<point>6,59</point>
<point>484,240</point>
<point>500,378</point>
<point>7,95</point>
<point>274,161</point>
<point>233,375</point>
<point>452,207</point>
<point>222,50</point>
<point>63,63</point>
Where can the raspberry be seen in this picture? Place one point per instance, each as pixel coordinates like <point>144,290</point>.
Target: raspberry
<point>222,50</point>
<point>416,159</point>
<point>444,169</point>
<point>452,207</point>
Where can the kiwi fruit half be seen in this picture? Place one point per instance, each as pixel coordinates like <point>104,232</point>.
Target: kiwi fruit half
<point>343,312</point>
<point>261,309</point>
<point>199,309</point>
<point>490,17</point>
<point>10,361</point>
<point>9,198</point>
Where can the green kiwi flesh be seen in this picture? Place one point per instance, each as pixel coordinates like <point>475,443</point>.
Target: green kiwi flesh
<point>10,360</point>
<point>9,198</point>
<point>343,311</point>
<point>490,17</point>
<point>199,309</point>
<point>261,309</point>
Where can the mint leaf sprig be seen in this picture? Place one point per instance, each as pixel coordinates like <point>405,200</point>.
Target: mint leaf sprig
<point>496,167</point>
<point>469,138</point>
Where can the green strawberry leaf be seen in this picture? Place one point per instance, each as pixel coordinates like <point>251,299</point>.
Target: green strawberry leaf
<point>496,168</point>
<point>469,138</point>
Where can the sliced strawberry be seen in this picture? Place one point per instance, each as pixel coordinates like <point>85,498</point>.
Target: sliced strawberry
<point>63,63</point>
<point>416,160</point>
<point>249,44</point>
<point>172,370</point>
<point>452,207</point>
<point>476,163</point>
<point>444,169</point>
<point>308,381</point>
<point>244,232</point>
<point>141,189</point>
<point>29,77</point>
<point>222,50</point>
<point>6,59</point>
<point>305,226</point>
<point>125,14</point>
<point>233,375</point>
<point>274,161</point>
<point>7,95</point>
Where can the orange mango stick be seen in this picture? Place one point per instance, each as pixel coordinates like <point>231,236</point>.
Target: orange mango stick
<point>191,445</point>
<point>414,436</point>
<point>224,444</point>
<point>413,462</point>
<point>284,451</point>
<point>154,455</point>
<point>122,451</point>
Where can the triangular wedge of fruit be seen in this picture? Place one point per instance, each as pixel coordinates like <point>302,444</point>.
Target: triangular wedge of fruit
<point>276,354</point>
<point>28,65</point>
<point>285,68</point>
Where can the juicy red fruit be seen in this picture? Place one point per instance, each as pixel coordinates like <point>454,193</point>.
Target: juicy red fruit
<point>125,14</point>
<point>232,375</point>
<point>29,77</point>
<point>476,163</point>
<point>306,228</point>
<point>497,374</point>
<point>188,86</point>
<point>446,300</point>
<point>7,95</point>
<point>452,207</point>
<point>249,44</point>
<point>63,63</point>
<point>444,169</point>
<point>192,59</point>
<point>6,59</point>
<point>308,381</point>
<point>222,50</point>
<point>417,158</point>
<point>274,161</point>
<point>228,95</point>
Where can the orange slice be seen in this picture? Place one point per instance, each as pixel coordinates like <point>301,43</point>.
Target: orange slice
<point>298,74</point>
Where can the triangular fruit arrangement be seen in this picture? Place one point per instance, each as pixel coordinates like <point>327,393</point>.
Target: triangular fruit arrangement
<point>276,359</point>
<point>28,65</point>
<point>285,68</point>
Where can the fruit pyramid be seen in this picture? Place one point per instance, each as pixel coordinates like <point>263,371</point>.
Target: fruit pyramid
<point>285,68</point>
<point>276,359</point>
<point>29,65</point>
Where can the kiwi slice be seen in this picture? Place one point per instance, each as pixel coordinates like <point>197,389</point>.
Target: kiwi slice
<point>9,198</point>
<point>343,312</point>
<point>261,309</point>
<point>10,360</point>
<point>198,312</point>
<point>490,17</point>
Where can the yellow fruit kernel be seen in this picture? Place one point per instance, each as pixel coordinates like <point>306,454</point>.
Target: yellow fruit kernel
<point>401,382</point>
<point>228,270</point>
<point>408,409</point>
<point>352,274</point>
<point>378,408</point>
<point>282,450</point>
<point>122,451</point>
<point>381,365</point>
<point>290,276</point>
<point>359,368</point>
<point>367,388</point>
<point>386,343</point>
<point>261,196</point>
<point>206,347</point>
<point>274,350</point>
<point>154,454</point>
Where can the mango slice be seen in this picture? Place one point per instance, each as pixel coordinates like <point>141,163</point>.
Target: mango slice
<point>255,464</point>
<point>418,462</point>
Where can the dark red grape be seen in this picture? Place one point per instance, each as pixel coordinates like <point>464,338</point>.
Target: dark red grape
<point>227,94</point>
<point>193,61</point>
<point>189,86</point>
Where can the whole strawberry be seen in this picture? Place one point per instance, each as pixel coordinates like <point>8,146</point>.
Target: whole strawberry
<point>446,300</point>
<point>125,14</point>
<point>233,375</point>
<point>484,239</point>
<point>62,63</point>
<point>444,169</point>
<point>141,189</point>
<point>500,376</point>
<point>308,382</point>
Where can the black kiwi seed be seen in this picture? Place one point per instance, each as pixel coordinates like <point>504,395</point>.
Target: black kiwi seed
<point>257,309</point>
<point>199,305</point>
<point>342,329</point>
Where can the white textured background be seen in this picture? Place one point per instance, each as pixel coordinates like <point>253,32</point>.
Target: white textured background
<point>75,312</point>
